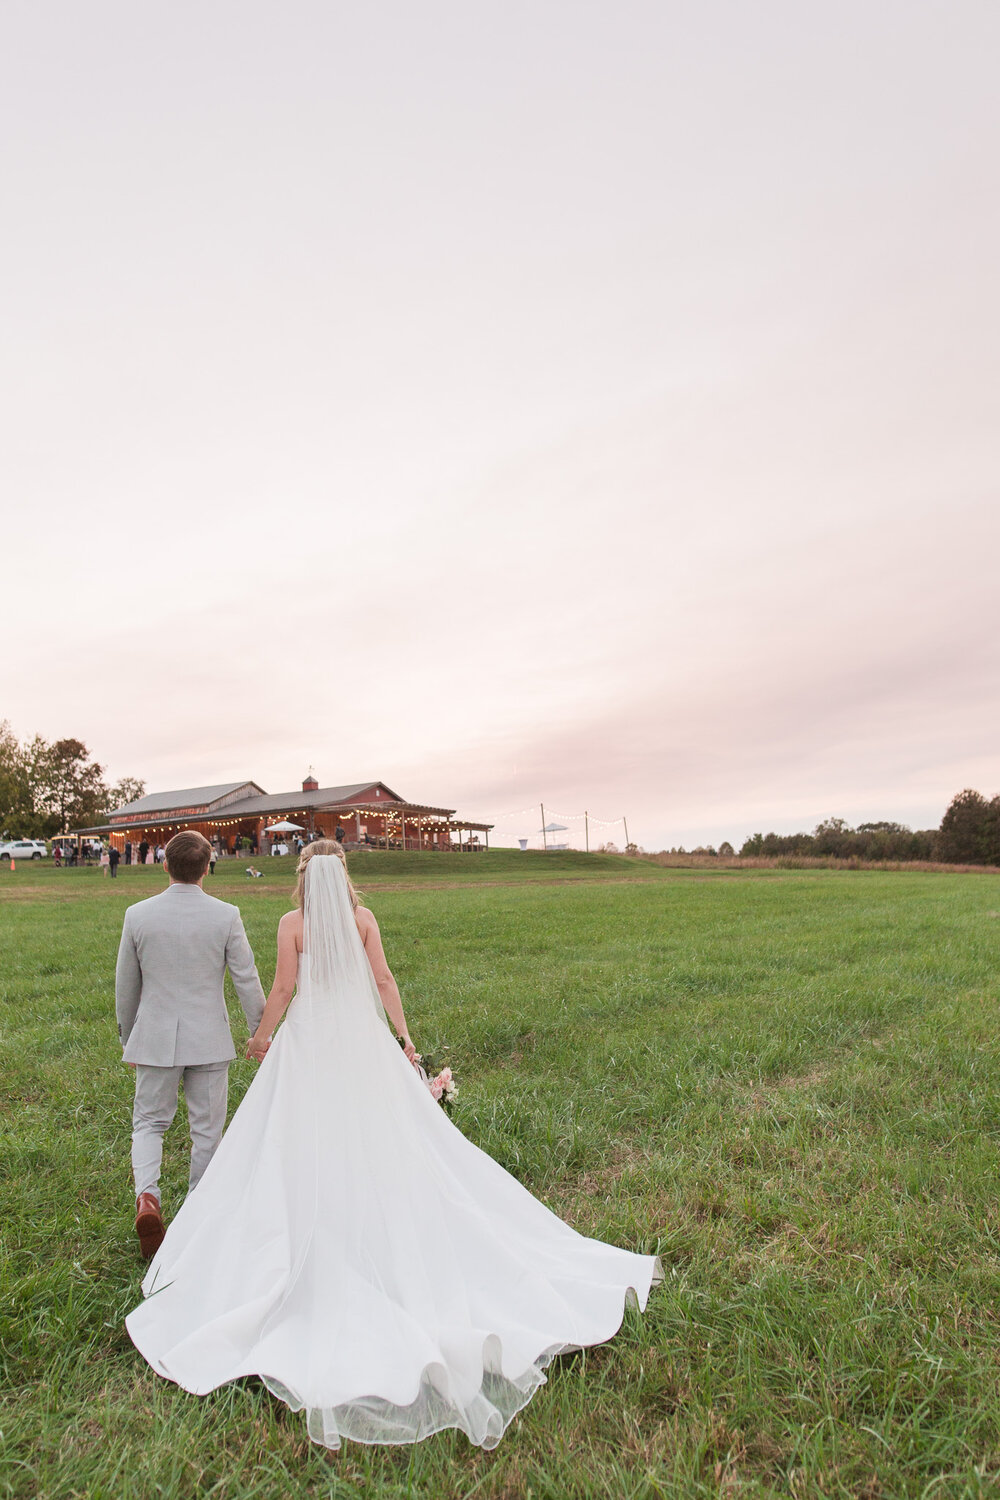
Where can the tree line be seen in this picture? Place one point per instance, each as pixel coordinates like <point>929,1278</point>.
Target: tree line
<point>49,787</point>
<point>969,835</point>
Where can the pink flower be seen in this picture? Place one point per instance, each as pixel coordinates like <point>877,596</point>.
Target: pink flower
<point>436,1087</point>
<point>445,1076</point>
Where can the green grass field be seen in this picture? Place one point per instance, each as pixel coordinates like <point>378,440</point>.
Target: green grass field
<point>787,1082</point>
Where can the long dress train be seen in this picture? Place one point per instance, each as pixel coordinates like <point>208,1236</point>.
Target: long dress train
<point>352,1248</point>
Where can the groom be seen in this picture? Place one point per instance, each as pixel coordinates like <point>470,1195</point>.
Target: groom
<point>172,1019</point>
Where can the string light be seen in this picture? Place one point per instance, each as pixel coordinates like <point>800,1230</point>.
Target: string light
<point>528,812</point>
<point>550,812</point>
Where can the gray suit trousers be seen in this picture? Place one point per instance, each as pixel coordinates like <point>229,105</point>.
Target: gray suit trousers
<point>206,1089</point>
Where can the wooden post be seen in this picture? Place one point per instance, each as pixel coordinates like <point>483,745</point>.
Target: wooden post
<point>626,832</point>
<point>586,830</point>
<point>487,831</point>
<point>545,842</point>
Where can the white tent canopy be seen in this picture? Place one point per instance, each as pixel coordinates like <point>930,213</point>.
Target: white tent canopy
<point>284,827</point>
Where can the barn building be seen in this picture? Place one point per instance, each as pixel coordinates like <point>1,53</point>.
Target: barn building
<point>369,812</point>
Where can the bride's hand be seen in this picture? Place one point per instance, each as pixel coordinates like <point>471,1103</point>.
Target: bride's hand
<point>257,1051</point>
<point>409,1049</point>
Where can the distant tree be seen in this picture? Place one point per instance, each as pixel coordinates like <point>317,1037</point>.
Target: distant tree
<point>833,837</point>
<point>11,779</point>
<point>833,826</point>
<point>129,789</point>
<point>970,831</point>
<point>24,775</point>
<point>726,849</point>
<point>75,792</point>
<point>50,788</point>
<point>991,832</point>
<point>771,844</point>
<point>893,841</point>
<point>37,772</point>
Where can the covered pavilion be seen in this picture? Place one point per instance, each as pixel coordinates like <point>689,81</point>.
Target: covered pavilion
<point>368,812</point>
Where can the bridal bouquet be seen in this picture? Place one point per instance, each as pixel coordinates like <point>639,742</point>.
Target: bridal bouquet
<point>440,1080</point>
<point>443,1087</point>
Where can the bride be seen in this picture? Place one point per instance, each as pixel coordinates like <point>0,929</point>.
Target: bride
<point>347,1244</point>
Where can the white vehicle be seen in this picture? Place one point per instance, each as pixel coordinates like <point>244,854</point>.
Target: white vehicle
<point>23,849</point>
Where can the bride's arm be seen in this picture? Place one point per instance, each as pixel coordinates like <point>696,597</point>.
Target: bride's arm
<point>283,987</point>
<point>388,989</point>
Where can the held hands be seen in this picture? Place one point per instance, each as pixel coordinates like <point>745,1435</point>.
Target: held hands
<point>257,1048</point>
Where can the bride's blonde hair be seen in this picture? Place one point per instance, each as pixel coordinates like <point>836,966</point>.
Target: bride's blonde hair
<point>321,846</point>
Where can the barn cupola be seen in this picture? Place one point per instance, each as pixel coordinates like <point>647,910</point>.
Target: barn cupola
<point>310,784</point>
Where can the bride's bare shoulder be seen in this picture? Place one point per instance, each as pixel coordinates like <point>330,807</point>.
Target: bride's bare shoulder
<point>290,929</point>
<point>365,919</point>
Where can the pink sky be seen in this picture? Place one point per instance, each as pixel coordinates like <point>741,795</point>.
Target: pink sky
<point>586,404</point>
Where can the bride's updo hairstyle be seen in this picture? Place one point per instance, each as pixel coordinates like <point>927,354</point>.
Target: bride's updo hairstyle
<point>321,846</point>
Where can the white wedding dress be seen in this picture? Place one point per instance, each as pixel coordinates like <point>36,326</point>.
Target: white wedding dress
<point>351,1248</point>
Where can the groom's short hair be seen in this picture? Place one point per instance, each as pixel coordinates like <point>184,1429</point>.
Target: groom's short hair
<point>187,856</point>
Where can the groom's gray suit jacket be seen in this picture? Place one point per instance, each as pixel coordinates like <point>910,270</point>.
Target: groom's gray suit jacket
<point>169,993</point>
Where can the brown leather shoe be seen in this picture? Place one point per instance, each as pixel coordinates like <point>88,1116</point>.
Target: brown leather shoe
<point>149,1224</point>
